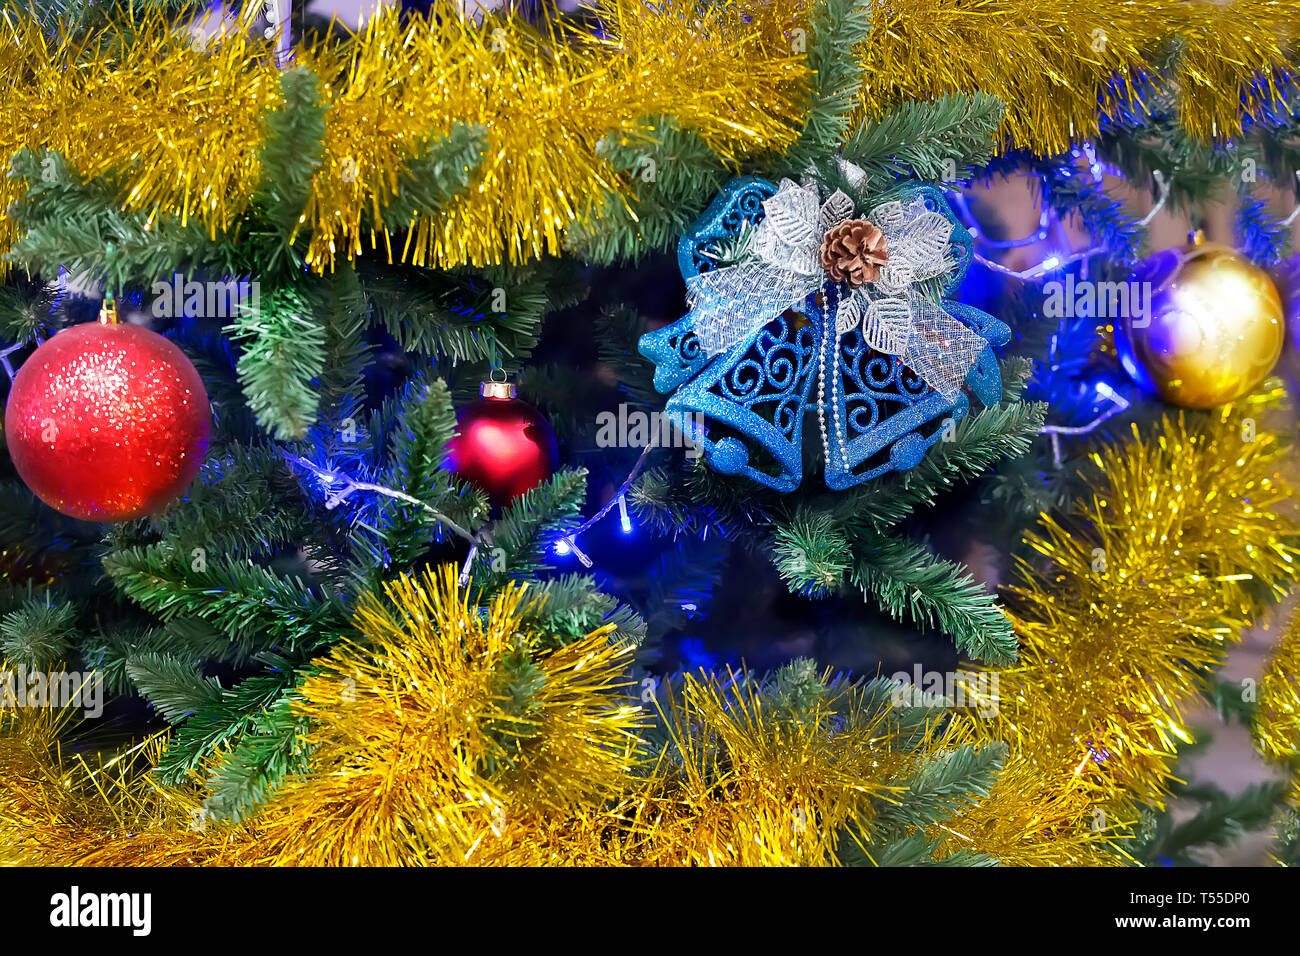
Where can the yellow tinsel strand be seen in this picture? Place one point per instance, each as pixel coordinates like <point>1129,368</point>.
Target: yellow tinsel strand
<point>60,810</point>
<point>1277,715</point>
<point>1035,819</point>
<point>177,125</point>
<point>179,128</point>
<point>1058,65</point>
<point>740,786</point>
<point>419,758</point>
<point>546,101</point>
<point>1235,56</point>
<point>414,761</point>
<point>1143,587</point>
<point>1276,726</point>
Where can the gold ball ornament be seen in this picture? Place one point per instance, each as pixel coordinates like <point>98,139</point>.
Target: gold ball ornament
<point>1204,326</point>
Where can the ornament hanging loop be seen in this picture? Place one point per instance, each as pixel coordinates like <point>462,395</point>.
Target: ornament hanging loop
<point>500,388</point>
<point>497,388</point>
<point>108,309</point>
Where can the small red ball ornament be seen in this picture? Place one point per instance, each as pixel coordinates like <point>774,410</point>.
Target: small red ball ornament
<point>503,445</point>
<point>107,422</point>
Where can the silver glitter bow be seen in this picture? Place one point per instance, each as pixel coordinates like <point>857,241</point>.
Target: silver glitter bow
<point>782,268</point>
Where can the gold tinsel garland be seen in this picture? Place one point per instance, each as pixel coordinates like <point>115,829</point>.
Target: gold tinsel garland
<point>1054,63</point>
<point>1277,717</point>
<point>1142,589</point>
<point>1276,725</point>
<point>60,810</point>
<point>180,127</point>
<point>418,759</point>
<point>418,756</point>
<point>741,786</point>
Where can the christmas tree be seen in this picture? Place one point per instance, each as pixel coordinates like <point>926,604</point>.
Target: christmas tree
<point>643,434</point>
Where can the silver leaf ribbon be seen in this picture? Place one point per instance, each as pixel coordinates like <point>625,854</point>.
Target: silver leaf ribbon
<point>784,267</point>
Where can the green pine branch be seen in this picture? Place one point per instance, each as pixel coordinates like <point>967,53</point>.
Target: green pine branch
<point>217,724</point>
<point>1154,139</point>
<point>914,849</point>
<point>1220,819</point>
<point>979,441</point>
<point>441,171</point>
<point>244,503</point>
<point>253,605</point>
<point>941,786</point>
<point>67,222</point>
<point>699,501</point>
<point>671,175</point>
<point>795,689</point>
<point>461,315</point>
<point>571,606</point>
<point>283,358</point>
<point>836,27</point>
<point>184,641</point>
<point>516,683</point>
<point>339,304</point>
<point>941,140</point>
<point>910,583</point>
<point>293,144</point>
<point>38,634</point>
<point>811,553</point>
<point>1017,371</point>
<point>265,755</point>
<point>618,329</point>
<point>424,423</point>
<point>27,310</point>
<point>526,526</point>
<point>113,24</point>
<point>172,684</point>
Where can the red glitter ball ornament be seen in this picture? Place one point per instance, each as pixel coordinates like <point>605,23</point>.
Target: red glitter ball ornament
<point>503,445</point>
<point>107,422</point>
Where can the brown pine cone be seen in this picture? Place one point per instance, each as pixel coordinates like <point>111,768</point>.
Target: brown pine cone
<point>854,252</point>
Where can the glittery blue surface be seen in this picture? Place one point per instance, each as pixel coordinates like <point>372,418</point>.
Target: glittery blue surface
<point>754,398</point>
